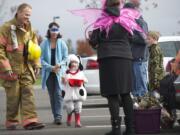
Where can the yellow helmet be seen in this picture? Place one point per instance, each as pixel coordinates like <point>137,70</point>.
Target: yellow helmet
<point>34,51</point>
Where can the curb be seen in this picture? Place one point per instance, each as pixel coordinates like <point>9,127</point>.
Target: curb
<point>88,106</point>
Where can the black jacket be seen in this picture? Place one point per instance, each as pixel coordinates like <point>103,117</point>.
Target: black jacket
<point>113,44</point>
<point>139,44</point>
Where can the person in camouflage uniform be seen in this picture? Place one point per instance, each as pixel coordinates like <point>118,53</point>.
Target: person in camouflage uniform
<point>155,68</point>
<point>17,72</point>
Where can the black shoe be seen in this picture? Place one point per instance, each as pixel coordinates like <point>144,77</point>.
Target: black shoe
<point>114,132</point>
<point>58,121</point>
<point>116,127</point>
<point>34,126</point>
<point>129,132</point>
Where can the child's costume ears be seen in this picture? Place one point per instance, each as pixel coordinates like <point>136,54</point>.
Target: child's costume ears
<point>80,63</point>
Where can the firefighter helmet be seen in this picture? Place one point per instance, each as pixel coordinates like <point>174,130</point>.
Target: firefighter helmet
<point>34,51</point>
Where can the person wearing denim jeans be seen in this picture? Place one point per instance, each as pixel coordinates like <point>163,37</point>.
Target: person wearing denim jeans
<point>140,78</point>
<point>56,99</point>
<point>53,59</point>
<point>140,54</point>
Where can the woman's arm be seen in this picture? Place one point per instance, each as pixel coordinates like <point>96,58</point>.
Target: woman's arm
<point>44,63</point>
<point>94,38</point>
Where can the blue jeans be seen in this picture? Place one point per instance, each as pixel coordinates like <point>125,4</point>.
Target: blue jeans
<point>55,96</point>
<point>140,78</point>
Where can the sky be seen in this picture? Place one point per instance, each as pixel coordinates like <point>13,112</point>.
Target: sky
<point>161,15</point>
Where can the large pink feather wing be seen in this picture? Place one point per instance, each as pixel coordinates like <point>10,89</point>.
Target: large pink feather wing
<point>89,15</point>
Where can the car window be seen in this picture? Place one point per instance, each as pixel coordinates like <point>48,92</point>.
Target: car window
<point>170,48</point>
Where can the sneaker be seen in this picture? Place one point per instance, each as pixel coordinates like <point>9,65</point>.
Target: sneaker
<point>34,126</point>
<point>11,124</point>
<point>78,125</point>
<point>58,121</point>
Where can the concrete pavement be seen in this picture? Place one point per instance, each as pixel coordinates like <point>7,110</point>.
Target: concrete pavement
<point>94,119</point>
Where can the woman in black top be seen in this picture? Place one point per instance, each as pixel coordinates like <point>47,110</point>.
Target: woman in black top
<point>115,68</point>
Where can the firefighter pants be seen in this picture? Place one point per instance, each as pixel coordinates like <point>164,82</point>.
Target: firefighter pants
<point>20,101</point>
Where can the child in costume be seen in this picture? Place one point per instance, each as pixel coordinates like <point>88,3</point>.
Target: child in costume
<point>156,70</point>
<point>74,92</point>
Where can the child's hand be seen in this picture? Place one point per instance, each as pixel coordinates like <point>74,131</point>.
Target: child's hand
<point>56,68</point>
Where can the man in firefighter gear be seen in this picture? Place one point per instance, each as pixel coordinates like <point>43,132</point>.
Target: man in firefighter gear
<point>17,71</point>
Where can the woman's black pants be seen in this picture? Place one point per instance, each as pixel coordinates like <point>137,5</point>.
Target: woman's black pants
<point>127,104</point>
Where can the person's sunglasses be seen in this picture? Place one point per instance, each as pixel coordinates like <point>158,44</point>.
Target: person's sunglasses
<point>55,30</point>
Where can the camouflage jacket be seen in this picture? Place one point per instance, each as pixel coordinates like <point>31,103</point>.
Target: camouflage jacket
<point>155,67</point>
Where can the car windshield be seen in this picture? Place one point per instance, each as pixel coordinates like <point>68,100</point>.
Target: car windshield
<point>170,48</point>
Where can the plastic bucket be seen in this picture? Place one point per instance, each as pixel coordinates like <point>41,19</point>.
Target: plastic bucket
<point>147,121</point>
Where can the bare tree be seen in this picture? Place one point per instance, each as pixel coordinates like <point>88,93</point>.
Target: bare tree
<point>91,3</point>
<point>13,9</point>
<point>6,10</point>
<point>94,3</point>
<point>84,49</point>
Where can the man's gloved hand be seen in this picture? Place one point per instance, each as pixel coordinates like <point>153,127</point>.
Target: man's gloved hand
<point>10,76</point>
<point>9,73</point>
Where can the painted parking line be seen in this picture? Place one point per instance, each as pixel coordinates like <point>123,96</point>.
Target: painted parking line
<point>99,116</point>
<point>96,99</point>
<point>101,126</point>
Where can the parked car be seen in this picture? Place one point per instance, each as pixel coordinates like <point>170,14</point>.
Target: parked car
<point>169,45</point>
<point>91,71</point>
